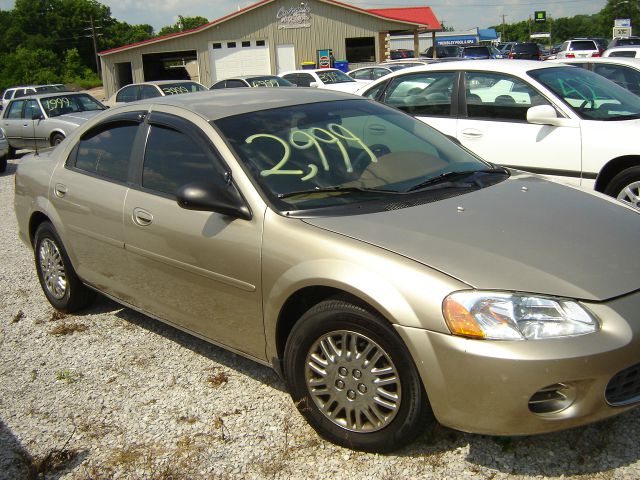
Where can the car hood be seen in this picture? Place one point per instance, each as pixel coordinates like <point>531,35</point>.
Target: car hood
<point>524,234</point>
<point>77,118</point>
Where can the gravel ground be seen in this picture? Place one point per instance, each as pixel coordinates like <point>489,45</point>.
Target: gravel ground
<point>111,393</point>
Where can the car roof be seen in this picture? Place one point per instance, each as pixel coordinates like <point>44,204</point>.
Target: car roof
<point>492,65</point>
<point>160,82</point>
<point>623,47</point>
<point>311,70</point>
<point>49,94</point>
<point>216,104</point>
<point>633,62</point>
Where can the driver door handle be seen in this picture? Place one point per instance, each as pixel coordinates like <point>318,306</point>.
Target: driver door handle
<point>472,133</point>
<point>142,217</point>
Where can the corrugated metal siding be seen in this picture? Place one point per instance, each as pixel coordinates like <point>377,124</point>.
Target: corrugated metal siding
<point>330,25</point>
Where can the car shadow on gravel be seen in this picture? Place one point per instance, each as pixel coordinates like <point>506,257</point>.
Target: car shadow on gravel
<point>229,359</point>
<point>16,461</point>
<point>587,450</point>
<point>10,170</point>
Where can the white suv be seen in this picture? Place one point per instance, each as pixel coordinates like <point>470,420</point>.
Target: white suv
<point>579,48</point>
<point>17,92</point>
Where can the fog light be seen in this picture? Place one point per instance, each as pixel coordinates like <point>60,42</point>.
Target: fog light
<point>552,399</point>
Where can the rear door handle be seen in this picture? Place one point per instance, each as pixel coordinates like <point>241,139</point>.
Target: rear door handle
<point>472,133</point>
<point>142,217</point>
<point>60,190</point>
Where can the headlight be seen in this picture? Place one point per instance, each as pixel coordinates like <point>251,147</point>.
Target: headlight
<point>512,316</point>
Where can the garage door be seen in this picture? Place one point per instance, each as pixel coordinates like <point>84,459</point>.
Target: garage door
<point>239,57</point>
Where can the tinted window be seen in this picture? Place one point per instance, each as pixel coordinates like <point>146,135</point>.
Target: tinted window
<point>302,79</point>
<point>32,110</point>
<point>149,91</point>
<point>15,109</point>
<point>8,94</point>
<point>218,85</point>
<point>375,92</point>
<point>268,81</point>
<point>128,94</point>
<point>63,104</point>
<point>182,87</point>
<point>622,42</point>
<point>499,97</point>
<point>626,77</point>
<point>236,84</point>
<point>364,74</point>
<point>583,45</point>
<point>173,159</point>
<point>623,53</point>
<point>590,95</point>
<point>105,151</point>
<point>329,77</point>
<point>427,93</point>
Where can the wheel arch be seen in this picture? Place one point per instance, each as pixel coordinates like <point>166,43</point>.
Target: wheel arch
<point>55,132</point>
<point>613,168</point>
<point>37,218</point>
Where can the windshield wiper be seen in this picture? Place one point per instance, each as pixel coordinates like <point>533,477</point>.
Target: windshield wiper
<point>449,176</point>
<point>338,189</point>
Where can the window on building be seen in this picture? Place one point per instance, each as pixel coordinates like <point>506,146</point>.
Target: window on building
<point>360,49</point>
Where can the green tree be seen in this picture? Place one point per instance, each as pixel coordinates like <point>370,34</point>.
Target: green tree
<point>183,23</point>
<point>29,66</point>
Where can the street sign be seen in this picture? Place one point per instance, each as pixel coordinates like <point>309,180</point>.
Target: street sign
<point>622,22</point>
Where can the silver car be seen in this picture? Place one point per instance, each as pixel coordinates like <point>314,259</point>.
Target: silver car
<point>46,120</point>
<point>4,152</point>
<point>390,276</point>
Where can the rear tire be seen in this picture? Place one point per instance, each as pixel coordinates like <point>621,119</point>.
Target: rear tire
<point>58,279</point>
<point>353,379</point>
<point>56,139</point>
<point>625,186</point>
<point>12,152</point>
<point>3,164</point>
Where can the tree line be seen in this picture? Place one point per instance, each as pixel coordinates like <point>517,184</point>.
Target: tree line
<point>51,41</point>
<point>597,25</point>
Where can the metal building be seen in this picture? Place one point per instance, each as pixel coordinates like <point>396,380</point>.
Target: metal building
<point>270,36</point>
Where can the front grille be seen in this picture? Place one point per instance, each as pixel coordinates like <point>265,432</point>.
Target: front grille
<point>624,387</point>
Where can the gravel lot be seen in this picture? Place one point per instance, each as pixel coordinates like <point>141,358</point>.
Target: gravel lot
<point>111,393</point>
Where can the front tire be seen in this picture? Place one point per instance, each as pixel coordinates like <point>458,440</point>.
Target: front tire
<point>353,379</point>
<point>56,139</point>
<point>625,186</point>
<point>58,279</point>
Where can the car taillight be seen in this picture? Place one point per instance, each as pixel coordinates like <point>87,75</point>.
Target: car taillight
<point>570,55</point>
<point>595,54</point>
<point>511,56</point>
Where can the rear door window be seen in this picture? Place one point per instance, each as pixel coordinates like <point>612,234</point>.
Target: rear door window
<point>128,94</point>
<point>425,93</point>
<point>15,109</point>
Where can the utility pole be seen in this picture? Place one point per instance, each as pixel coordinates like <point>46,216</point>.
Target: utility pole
<point>95,45</point>
<point>502,39</point>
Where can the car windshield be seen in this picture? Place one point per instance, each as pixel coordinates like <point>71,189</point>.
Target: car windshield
<point>63,104</point>
<point>182,87</point>
<point>337,153</point>
<point>50,88</point>
<point>475,52</point>
<point>591,96</point>
<point>334,76</point>
<point>269,81</point>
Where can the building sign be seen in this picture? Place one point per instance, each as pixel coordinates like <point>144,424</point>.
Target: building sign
<point>540,16</point>
<point>463,40</point>
<point>622,32</point>
<point>294,17</point>
<point>622,22</point>
<point>540,35</point>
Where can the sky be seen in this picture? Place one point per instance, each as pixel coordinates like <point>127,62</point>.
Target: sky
<point>459,14</point>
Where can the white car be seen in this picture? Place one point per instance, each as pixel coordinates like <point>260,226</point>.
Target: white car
<point>578,48</point>
<point>628,52</point>
<point>4,152</point>
<point>623,71</point>
<point>329,78</point>
<point>157,88</point>
<point>560,121</point>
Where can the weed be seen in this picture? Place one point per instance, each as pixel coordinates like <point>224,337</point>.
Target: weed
<point>217,378</point>
<point>18,316</point>
<point>56,315</point>
<point>54,461</point>
<point>190,419</point>
<point>218,424</point>
<point>65,328</point>
<point>68,376</point>
<point>34,374</point>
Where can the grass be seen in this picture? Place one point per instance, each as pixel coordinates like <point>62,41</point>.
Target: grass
<point>56,315</point>
<point>68,376</point>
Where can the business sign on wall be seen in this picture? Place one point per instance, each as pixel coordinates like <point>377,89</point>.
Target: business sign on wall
<point>294,17</point>
<point>462,40</point>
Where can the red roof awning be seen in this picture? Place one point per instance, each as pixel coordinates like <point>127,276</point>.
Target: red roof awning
<point>421,15</point>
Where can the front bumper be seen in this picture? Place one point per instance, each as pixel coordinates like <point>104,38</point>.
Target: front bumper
<point>484,386</point>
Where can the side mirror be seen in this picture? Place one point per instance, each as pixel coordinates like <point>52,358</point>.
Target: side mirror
<point>547,115</point>
<point>37,116</point>
<point>219,197</point>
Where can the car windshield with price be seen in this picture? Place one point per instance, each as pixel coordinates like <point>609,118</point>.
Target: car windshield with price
<point>337,154</point>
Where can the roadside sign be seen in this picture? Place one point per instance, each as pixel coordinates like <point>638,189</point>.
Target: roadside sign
<point>622,22</point>
<point>621,31</point>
